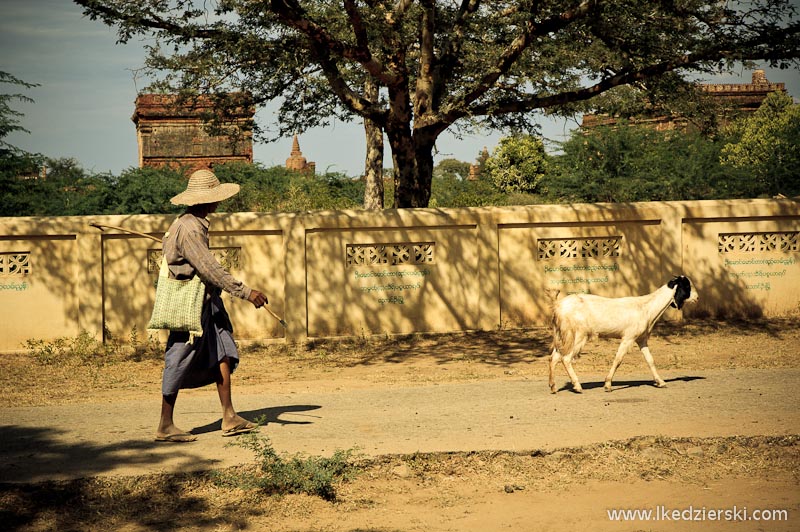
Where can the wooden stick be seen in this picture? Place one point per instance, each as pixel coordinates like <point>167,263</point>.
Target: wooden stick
<point>101,226</point>
<point>282,322</point>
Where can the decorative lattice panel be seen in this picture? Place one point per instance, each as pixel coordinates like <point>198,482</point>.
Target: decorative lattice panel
<point>579,248</point>
<point>391,254</point>
<point>15,263</point>
<point>228,257</point>
<point>785,242</point>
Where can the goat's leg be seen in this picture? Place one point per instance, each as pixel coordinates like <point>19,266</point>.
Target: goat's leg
<point>576,385</point>
<point>624,346</point>
<point>555,358</point>
<point>648,357</point>
<point>580,340</point>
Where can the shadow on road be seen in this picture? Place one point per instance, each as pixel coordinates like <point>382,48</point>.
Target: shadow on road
<point>30,454</point>
<point>494,348</point>
<point>267,416</point>
<point>621,385</point>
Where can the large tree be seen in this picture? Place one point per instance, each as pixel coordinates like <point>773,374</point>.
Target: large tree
<point>443,64</point>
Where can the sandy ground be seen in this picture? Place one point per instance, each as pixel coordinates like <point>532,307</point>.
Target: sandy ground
<point>456,432</point>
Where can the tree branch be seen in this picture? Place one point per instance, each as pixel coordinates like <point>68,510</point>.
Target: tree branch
<point>293,15</point>
<point>95,9</point>
<point>622,78</point>
<point>521,43</point>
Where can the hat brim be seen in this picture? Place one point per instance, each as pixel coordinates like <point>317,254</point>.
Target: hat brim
<point>211,195</point>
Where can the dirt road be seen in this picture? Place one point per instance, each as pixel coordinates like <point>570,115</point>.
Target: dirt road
<point>69,441</point>
<point>462,432</point>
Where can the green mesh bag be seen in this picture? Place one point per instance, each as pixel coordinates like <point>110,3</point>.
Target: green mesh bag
<point>179,304</point>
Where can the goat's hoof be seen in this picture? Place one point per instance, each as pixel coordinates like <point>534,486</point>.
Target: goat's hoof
<point>607,388</point>
<point>661,384</point>
<point>577,389</point>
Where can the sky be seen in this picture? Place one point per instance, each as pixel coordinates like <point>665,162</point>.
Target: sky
<point>88,85</point>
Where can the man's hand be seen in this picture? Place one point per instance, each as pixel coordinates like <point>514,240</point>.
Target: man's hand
<point>257,299</point>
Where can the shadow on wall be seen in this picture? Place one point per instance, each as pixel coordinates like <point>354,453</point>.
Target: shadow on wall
<point>746,267</point>
<point>355,273</point>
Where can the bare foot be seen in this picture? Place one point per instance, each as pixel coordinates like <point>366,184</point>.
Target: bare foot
<point>237,425</point>
<point>175,437</point>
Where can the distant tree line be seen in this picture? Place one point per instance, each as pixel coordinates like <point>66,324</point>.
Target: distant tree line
<point>756,156</point>
<point>69,190</point>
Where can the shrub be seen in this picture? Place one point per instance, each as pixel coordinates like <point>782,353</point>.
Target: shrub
<point>86,349</point>
<point>277,474</point>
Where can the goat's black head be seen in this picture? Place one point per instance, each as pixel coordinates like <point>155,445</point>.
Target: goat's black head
<point>683,291</point>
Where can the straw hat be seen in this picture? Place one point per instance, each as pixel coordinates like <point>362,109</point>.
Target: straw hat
<point>204,187</point>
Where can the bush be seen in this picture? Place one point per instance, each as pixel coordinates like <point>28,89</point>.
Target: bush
<point>518,164</point>
<point>280,475</point>
<point>637,163</point>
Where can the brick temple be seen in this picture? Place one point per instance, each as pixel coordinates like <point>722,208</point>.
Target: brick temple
<point>174,134</point>
<point>297,162</point>
<point>735,99</point>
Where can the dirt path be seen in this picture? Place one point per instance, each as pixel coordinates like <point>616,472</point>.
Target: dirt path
<point>69,441</point>
<point>461,430</point>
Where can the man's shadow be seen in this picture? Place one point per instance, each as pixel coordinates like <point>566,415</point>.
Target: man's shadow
<point>621,385</point>
<point>267,416</point>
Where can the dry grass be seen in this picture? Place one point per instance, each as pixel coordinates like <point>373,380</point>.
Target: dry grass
<point>197,502</point>
<point>403,360</point>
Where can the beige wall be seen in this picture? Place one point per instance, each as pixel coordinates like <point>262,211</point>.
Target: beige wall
<point>418,270</point>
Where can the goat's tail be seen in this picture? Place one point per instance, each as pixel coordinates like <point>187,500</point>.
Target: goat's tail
<point>552,293</point>
<point>563,334</point>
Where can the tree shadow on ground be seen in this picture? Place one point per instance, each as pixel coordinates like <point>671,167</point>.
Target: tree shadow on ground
<point>512,346</point>
<point>696,327</point>
<point>496,348</point>
<point>32,454</point>
<point>152,503</point>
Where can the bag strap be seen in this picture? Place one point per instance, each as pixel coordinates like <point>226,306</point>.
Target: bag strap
<point>163,271</point>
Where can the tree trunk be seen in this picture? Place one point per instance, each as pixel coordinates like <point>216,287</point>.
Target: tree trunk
<point>398,129</point>
<point>423,153</point>
<point>413,167</point>
<point>406,187</point>
<point>373,166</point>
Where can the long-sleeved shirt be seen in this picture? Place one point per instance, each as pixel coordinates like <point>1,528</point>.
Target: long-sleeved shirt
<point>186,249</point>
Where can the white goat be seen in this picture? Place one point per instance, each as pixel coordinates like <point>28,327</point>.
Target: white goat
<point>579,317</point>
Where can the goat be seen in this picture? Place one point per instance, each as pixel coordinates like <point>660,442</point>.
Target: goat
<point>579,317</point>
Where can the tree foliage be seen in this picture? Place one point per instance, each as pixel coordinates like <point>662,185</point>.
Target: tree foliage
<point>518,163</point>
<point>767,144</point>
<point>638,163</point>
<point>10,117</point>
<point>441,64</point>
<point>452,187</point>
<point>68,190</point>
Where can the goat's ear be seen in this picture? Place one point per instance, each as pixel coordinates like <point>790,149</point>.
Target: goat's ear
<point>672,282</point>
